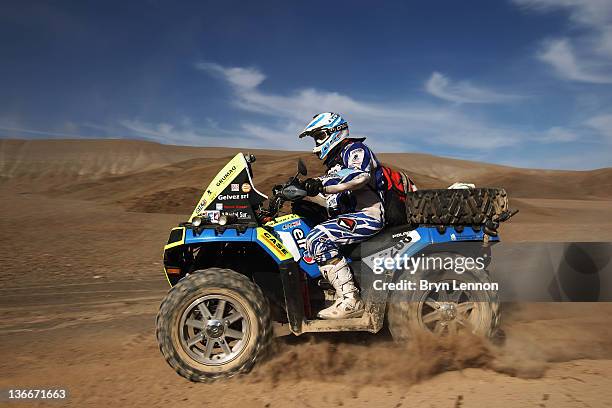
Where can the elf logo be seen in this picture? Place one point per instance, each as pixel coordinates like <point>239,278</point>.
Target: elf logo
<point>347,223</point>
<point>300,239</point>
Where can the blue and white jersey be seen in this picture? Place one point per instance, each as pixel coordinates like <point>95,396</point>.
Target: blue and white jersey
<point>349,182</point>
<point>358,156</point>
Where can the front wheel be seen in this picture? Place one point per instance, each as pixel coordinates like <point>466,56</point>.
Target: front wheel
<point>445,311</point>
<point>213,324</point>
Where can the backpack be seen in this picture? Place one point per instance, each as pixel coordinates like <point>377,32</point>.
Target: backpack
<point>394,186</point>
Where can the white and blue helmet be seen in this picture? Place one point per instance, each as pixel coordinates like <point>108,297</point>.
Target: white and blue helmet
<point>328,129</point>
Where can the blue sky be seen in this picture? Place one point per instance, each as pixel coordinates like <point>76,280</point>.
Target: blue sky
<point>519,82</point>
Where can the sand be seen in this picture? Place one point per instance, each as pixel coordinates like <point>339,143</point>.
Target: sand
<point>83,224</point>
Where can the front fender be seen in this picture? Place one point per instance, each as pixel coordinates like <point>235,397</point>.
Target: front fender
<point>179,250</point>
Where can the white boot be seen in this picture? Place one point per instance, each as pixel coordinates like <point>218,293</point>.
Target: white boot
<point>348,303</point>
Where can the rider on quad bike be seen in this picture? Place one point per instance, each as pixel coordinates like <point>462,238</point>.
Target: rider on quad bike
<point>242,272</point>
<point>353,204</point>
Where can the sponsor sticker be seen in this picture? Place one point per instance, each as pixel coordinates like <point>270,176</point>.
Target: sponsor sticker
<point>308,259</point>
<point>273,243</point>
<point>282,219</point>
<point>242,215</point>
<point>292,224</point>
<point>347,223</point>
<point>236,207</point>
<point>235,187</point>
<point>246,188</point>
<point>401,234</point>
<point>300,239</point>
<point>201,206</point>
<point>332,201</point>
<point>225,176</point>
<point>397,249</point>
<point>212,215</point>
<point>356,158</point>
<point>225,197</point>
<point>219,206</point>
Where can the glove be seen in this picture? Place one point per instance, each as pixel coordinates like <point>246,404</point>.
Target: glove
<point>276,189</point>
<point>313,186</point>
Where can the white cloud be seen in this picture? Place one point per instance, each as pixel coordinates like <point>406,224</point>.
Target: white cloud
<point>558,135</point>
<point>244,78</point>
<point>388,122</point>
<point>282,136</point>
<point>588,56</point>
<point>602,124</point>
<point>390,126</point>
<point>596,129</point>
<point>166,132</point>
<point>582,12</point>
<point>561,56</point>
<point>442,87</point>
<point>184,132</point>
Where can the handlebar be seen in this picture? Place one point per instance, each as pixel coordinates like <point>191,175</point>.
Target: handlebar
<point>292,190</point>
<point>293,193</point>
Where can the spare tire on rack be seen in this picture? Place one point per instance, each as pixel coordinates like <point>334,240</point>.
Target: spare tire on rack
<point>473,206</point>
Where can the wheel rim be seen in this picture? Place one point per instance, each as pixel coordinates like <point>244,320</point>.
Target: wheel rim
<point>448,311</point>
<point>214,329</point>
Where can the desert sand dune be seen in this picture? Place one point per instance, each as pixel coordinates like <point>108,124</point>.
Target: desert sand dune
<point>138,173</point>
<point>58,161</point>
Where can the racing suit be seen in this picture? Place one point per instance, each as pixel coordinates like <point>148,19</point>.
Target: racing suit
<point>357,214</point>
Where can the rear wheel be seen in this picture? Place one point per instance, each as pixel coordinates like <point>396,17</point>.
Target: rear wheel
<point>213,324</point>
<point>446,311</point>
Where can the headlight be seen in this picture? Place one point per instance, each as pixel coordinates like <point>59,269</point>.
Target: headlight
<point>227,219</point>
<point>196,221</point>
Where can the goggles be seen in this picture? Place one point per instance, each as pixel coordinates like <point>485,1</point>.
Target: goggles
<point>320,135</point>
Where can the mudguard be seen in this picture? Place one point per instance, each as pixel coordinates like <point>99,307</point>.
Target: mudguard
<point>268,240</point>
<point>271,243</point>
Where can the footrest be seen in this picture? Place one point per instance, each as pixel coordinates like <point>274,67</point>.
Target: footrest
<point>363,323</point>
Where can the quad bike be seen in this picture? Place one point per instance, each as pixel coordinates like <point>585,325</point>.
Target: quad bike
<point>239,273</point>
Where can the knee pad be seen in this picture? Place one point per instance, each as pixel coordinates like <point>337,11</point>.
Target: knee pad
<point>310,239</point>
<point>319,246</point>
